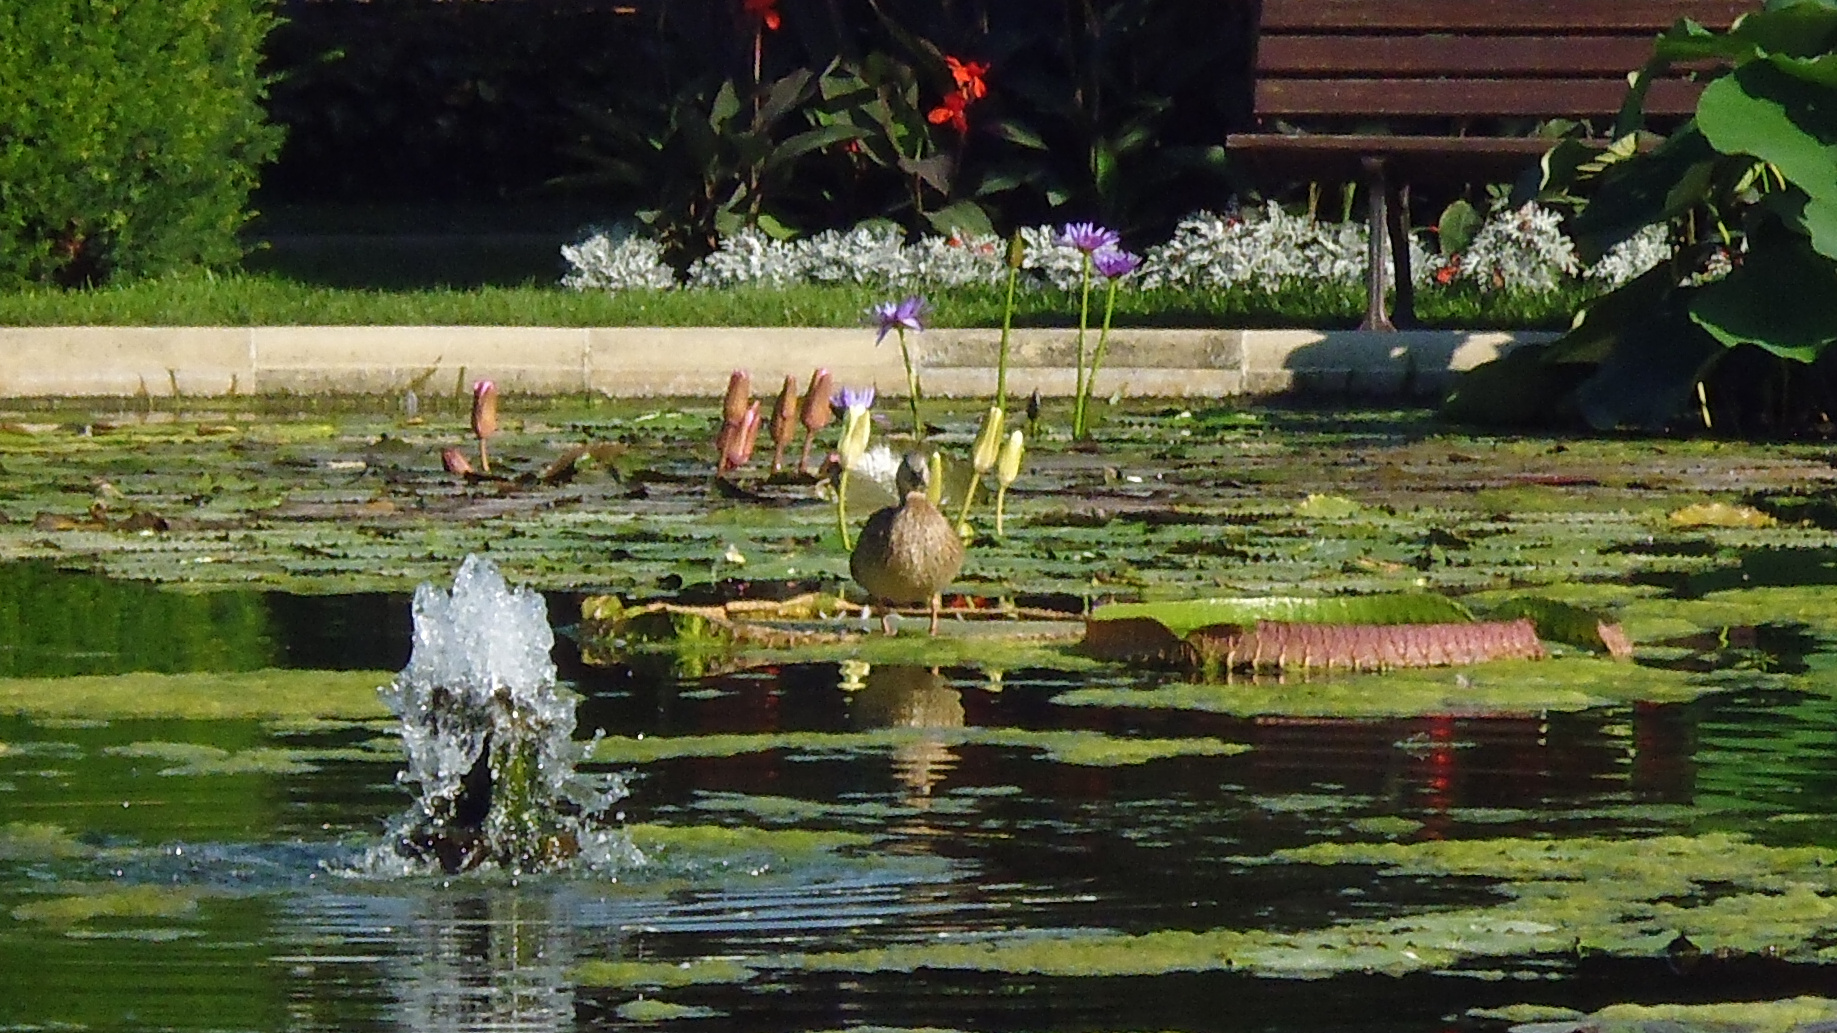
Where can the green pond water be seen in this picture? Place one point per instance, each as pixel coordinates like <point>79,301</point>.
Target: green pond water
<point>196,606</point>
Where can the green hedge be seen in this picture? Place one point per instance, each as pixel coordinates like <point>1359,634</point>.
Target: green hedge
<point>130,133</point>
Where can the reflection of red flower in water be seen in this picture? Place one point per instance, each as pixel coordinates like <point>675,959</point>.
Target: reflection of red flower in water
<point>951,110</point>
<point>764,10</point>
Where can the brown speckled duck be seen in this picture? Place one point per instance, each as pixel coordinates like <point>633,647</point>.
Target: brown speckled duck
<point>908,553</point>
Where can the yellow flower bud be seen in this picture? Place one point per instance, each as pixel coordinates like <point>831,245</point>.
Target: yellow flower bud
<point>1008,464</point>
<point>934,482</point>
<point>856,428</point>
<point>988,442</point>
<point>1017,251</point>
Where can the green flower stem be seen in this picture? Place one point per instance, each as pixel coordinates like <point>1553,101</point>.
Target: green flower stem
<point>1007,327</point>
<point>842,508</point>
<point>969,495</point>
<point>1001,503</point>
<point>1103,339</point>
<point>912,387</point>
<point>1084,319</point>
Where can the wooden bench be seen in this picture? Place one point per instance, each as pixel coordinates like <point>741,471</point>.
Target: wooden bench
<point>1455,86</point>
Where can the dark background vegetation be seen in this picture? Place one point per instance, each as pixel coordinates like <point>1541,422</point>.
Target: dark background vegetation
<point>1105,109</point>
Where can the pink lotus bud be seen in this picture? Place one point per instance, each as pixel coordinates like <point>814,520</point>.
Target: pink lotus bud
<point>739,392</point>
<point>484,409</point>
<point>816,413</point>
<point>784,422</point>
<point>738,439</point>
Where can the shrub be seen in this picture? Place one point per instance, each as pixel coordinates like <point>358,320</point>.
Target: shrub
<point>130,132</point>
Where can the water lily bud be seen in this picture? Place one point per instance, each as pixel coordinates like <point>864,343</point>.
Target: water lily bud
<point>737,443</point>
<point>988,442</point>
<point>1008,464</point>
<point>784,421</point>
<point>857,425</point>
<point>455,462</point>
<point>934,479</point>
<point>1017,251</point>
<point>484,409</point>
<point>739,392</point>
<point>816,413</point>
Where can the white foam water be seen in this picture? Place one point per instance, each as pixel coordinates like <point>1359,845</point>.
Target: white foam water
<point>489,738</point>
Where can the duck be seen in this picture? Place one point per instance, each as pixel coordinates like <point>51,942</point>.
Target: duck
<point>908,553</point>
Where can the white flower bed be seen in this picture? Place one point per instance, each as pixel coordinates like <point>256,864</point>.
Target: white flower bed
<point>1516,249</point>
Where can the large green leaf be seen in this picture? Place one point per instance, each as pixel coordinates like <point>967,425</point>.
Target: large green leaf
<point>1786,121</point>
<point>1182,616</point>
<point>1635,193</point>
<point>1649,377</point>
<point>1777,299</point>
<point>1798,29</point>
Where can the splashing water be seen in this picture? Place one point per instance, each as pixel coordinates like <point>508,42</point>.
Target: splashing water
<point>489,738</point>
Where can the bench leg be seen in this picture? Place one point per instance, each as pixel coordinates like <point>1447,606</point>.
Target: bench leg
<point>1376,194</point>
<point>1404,314</point>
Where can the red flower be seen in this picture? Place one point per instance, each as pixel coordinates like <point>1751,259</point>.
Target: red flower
<point>764,10</point>
<point>951,110</point>
<point>1446,274</point>
<point>968,76</point>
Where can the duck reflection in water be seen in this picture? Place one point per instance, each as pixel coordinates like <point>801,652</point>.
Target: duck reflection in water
<point>907,696</point>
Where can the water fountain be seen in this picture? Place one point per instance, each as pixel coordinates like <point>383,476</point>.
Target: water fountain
<point>489,738</point>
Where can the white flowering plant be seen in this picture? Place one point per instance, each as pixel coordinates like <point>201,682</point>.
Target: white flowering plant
<point>1265,248</point>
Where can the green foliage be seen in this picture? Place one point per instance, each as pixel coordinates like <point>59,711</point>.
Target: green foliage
<point>720,163</point>
<point>130,133</point>
<point>1750,180</point>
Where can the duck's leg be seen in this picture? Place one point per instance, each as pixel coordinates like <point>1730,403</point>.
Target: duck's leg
<point>886,620</point>
<point>937,603</point>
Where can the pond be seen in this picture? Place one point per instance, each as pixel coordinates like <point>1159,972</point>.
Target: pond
<point>1023,840</point>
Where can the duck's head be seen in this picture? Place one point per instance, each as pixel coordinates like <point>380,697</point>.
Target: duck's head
<point>914,473</point>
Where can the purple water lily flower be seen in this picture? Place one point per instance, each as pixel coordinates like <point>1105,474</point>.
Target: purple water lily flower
<point>1088,237</point>
<point>854,398</point>
<point>1114,263</point>
<point>899,315</point>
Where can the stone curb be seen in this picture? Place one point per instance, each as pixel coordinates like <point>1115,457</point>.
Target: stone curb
<point>638,362</point>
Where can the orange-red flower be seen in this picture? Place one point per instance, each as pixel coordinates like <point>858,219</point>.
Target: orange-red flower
<point>951,110</point>
<point>968,76</point>
<point>764,10</point>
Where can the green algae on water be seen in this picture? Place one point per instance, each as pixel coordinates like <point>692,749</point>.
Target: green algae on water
<point>37,841</point>
<point>1783,1016</point>
<point>647,1010</point>
<point>110,902</point>
<point>646,975</point>
<point>273,694</point>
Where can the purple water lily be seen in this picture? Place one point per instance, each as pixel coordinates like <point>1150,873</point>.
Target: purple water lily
<point>854,398</point>
<point>1114,263</point>
<point>908,314</point>
<point>1088,237</point>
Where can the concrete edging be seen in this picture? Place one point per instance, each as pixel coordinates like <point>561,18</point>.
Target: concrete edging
<point>654,362</point>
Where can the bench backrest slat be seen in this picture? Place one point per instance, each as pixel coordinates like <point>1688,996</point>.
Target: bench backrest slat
<point>1496,16</point>
<point>1529,56</point>
<point>1476,97</point>
<point>1470,58</point>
